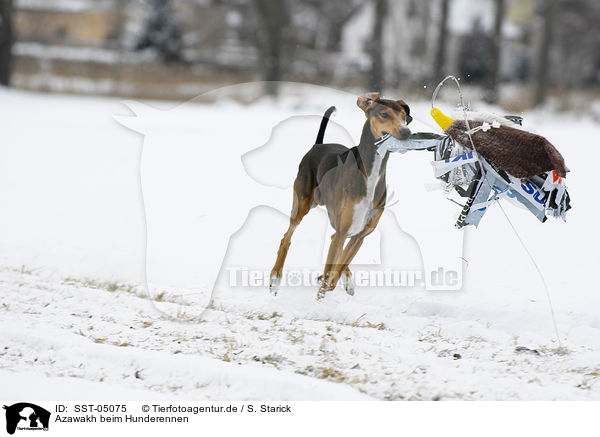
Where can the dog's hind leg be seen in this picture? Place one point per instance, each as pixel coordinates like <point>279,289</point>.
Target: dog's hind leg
<point>302,204</point>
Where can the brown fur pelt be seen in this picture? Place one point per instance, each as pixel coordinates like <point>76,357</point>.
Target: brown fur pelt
<point>520,153</point>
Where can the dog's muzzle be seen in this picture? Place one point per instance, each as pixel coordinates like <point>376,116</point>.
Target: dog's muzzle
<point>404,133</point>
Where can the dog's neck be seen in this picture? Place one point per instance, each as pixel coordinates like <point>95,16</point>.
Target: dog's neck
<point>368,151</point>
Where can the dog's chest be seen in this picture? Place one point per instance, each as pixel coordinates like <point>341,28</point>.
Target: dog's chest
<point>363,210</point>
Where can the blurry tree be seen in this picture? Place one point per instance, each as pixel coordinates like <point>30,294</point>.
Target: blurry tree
<point>440,51</point>
<point>337,13</point>
<point>6,40</point>
<point>575,47</point>
<point>523,68</point>
<point>543,58</point>
<point>493,69</point>
<point>420,44</point>
<point>314,41</point>
<point>161,32</point>
<point>333,16</point>
<point>376,47</point>
<point>473,54</point>
<point>273,17</point>
<point>114,38</point>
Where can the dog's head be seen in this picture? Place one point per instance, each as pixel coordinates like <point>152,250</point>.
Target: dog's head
<point>385,115</point>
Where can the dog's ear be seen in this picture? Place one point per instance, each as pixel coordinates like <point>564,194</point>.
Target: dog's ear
<point>406,109</point>
<point>367,101</point>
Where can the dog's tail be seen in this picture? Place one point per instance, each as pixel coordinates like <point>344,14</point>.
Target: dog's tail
<point>323,126</point>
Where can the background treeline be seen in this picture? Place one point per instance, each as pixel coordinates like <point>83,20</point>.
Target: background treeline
<point>515,52</point>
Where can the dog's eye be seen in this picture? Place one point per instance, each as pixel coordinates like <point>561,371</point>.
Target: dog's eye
<point>385,115</point>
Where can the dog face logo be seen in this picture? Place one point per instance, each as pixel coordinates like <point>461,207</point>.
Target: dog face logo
<point>26,416</point>
<point>248,206</point>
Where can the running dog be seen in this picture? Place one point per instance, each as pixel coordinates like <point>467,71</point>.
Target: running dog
<point>350,183</point>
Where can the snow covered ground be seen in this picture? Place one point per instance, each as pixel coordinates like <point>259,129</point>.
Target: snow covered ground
<point>77,242</point>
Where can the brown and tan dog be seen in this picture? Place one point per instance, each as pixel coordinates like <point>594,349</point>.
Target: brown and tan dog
<point>350,183</point>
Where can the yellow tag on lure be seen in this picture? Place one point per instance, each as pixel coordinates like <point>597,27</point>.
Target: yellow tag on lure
<point>441,119</point>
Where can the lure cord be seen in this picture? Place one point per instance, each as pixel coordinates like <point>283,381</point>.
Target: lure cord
<point>527,251</point>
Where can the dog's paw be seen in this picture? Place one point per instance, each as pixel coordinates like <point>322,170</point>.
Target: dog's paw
<point>274,285</point>
<point>348,284</point>
<point>321,292</point>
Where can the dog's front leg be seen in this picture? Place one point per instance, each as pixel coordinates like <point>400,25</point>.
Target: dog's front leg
<point>347,281</point>
<point>352,248</point>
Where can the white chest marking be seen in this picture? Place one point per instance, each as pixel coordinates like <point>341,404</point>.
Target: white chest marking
<point>363,210</point>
